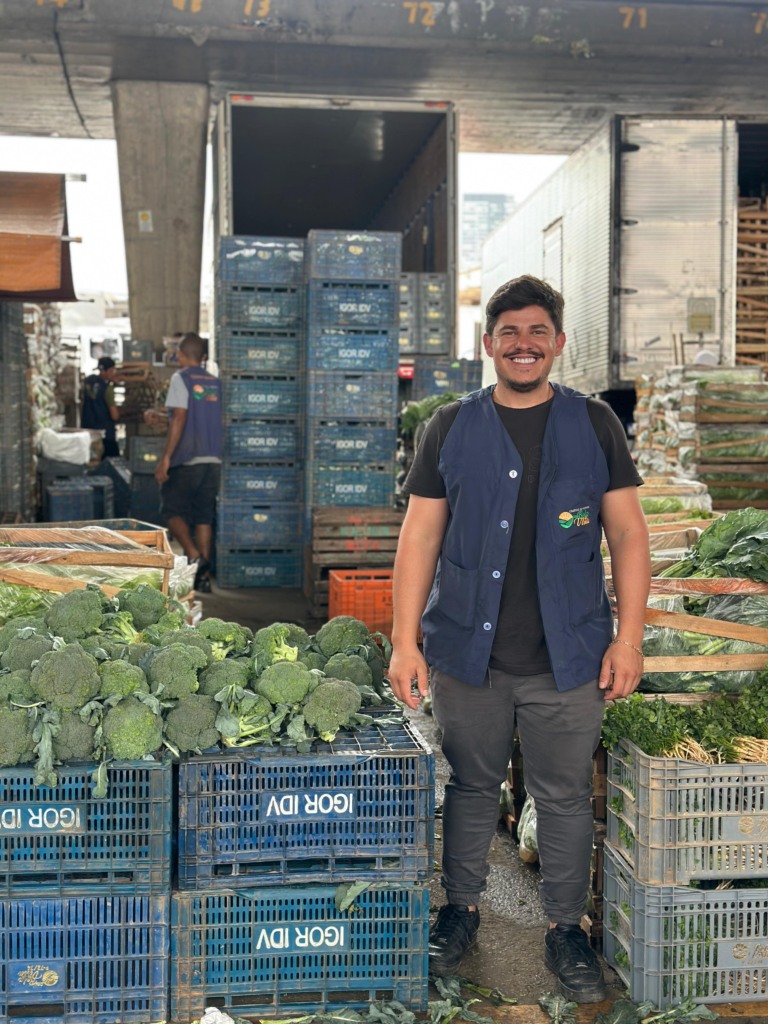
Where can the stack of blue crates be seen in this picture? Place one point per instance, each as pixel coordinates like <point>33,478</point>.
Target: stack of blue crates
<point>440,375</point>
<point>425,315</point>
<point>259,349</point>
<point>16,450</point>
<point>85,893</point>
<point>145,453</point>
<point>353,301</point>
<point>266,836</point>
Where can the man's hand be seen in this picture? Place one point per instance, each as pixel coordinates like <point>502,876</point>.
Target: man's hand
<point>155,418</point>
<point>621,671</point>
<point>406,668</point>
<point>161,470</point>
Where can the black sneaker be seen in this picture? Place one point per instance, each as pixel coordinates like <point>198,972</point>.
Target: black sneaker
<point>452,934</point>
<point>568,954</point>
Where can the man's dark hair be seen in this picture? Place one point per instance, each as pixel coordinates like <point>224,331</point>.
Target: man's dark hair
<point>521,292</point>
<point>106,363</point>
<point>193,346</point>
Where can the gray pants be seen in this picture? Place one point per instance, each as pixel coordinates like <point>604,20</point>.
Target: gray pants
<point>559,733</point>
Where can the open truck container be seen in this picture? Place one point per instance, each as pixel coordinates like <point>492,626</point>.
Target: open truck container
<point>638,228</point>
<point>286,164</point>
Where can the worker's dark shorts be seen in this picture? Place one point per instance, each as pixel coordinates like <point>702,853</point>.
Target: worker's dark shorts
<point>190,492</point>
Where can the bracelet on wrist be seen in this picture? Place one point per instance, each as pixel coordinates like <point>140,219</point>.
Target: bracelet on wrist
<point>626,643</point>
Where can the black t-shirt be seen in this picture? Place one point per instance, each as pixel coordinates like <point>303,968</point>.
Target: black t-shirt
<point>519,646</point>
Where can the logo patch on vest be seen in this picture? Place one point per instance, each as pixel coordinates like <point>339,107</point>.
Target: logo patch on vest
<point>574,517</point>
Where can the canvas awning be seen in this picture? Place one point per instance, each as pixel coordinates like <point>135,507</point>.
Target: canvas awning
<point>34,248</point>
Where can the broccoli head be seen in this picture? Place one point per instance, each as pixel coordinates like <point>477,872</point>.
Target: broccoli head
<point>341,634</point>
<point>24,651</point>
<point>76,614</point>
<point>349,666</point>
<point>331,706</point>
<point>66,679</point>
<point>172,671</point>
<point>189,638</point>
<point>285,682</point>
<point>120,626</point>
<point>271,644</point>
<point>15,686</point>
<point>190,726</point>
<point>17,745</point>
<point>170,622</point>
<point>12,627</point>
<point>221,674</point>
<point>136,653</point>
<point>227,638</point>
<point>146,604</point>
<point>74,740</point>
<point>312,659</point>
<point>131,730</point>
<point>121,678</point>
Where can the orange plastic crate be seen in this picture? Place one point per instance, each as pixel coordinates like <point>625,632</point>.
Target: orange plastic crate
<point>365,594</point>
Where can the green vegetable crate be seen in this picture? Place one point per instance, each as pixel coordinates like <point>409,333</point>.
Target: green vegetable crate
<point>671,943</point>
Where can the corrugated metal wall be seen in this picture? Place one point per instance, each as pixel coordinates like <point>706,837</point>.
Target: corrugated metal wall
<point>678,184</point>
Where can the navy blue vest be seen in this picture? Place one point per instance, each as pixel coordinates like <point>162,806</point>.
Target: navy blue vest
<point>482,469</point>
<point>202,429</point>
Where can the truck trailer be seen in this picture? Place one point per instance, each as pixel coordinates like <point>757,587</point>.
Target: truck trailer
<point>646,230</point>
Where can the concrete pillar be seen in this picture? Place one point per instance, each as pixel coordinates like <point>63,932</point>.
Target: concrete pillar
<point>161,132</point>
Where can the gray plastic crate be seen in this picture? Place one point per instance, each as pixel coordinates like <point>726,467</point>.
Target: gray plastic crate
<point>674,821</point>
<point>672,943</point>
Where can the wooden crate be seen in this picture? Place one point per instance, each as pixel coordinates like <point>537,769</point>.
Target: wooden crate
<point>30,545</point>
<point>347,538</point>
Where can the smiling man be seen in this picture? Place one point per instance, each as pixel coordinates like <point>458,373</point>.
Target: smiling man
<point>499,562</point>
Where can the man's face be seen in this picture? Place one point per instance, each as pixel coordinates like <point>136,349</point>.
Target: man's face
<point>523,347</point>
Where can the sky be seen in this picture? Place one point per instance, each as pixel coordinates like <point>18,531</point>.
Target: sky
<point>93,206</point>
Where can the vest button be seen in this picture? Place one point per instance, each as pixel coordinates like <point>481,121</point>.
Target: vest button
<point>496,574</point>
<point>512,474</point>
<point>504,524</point>
<point>487,626</point>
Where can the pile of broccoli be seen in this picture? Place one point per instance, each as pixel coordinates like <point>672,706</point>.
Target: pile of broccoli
<point>97,679</point>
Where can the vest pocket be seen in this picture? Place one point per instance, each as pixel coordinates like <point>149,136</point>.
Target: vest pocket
<point>583,582</point>
<point>457,593</point>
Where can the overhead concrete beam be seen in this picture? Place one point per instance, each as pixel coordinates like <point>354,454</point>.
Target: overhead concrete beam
<point>161,130</point>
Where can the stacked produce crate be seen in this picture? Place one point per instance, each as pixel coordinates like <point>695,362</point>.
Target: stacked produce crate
<point>145,453</point>
<point>259,347</point>
<point>708,424</point>
<point>16,470</point>
<point>85,894</point>
<point>352,354</point>
<point>440,375</point>
<point>752,281</point>
<point>302,876</point>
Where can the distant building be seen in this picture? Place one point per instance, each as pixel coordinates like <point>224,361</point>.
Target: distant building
<point>481,214</point>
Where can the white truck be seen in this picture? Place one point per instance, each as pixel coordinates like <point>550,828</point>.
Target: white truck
<point>639,230</point>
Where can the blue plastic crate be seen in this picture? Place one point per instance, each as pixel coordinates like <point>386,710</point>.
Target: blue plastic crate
<point>433,340</point>
<point>255,305</point>
<point>351,485</point>
<point>351,395</point>
<point>250,259</point>
<point>67,499</point>
<point>260,396</point>
<point>407,340</point>
<point>103,497</point>
<point>252,351</point>
<point>353,255</point>
<point>358,441</point>
<point>95,959</point>
<point>437,375</point>
<point>239,567</point>
<point>262,440</point>
<point>432,288</point>
<point>671,943</point>
<point>353,303</point>
<point>243,522</point>
<point>145,497</point>
<point>289,949</point>
<point>53,839</point>
<point>361,807</point>
<point>362,348</point>
<point>262,481</point>
<point>145,453</point>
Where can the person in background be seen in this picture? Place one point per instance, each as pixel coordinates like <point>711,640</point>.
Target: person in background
<point>189,469</point>
<point>499,559</point>
<point>99,411</point>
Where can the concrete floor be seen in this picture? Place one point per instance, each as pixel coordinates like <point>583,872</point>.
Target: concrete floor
<point>509,952</point>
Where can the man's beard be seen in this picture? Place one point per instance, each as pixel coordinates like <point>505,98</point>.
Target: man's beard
<point>521,386</point>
